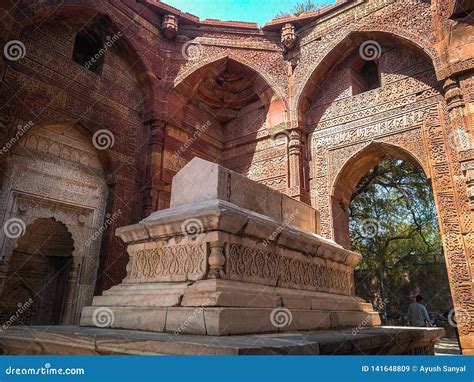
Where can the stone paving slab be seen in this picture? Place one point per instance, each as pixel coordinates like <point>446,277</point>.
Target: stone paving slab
<point>89,340</point>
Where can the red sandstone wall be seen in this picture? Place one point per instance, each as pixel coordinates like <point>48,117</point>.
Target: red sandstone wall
<point>50,87</point>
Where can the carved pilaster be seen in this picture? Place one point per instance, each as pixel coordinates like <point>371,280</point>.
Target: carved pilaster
<point>453,93</point>
<point>154,163</point>
<point>459,137</point>
<point>468,171</point>
<point>3,274</point>
<point>470,185</point>
<point>297,186</point>
<point>72,288</point>
<point>216,260</point>
<point>458,134</point>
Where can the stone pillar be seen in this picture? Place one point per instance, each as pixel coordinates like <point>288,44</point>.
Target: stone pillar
<point>3,274</point>
<point>460,133</point>
<point>458,236</point>
<point>296,157</point>
<point>154,182</point>
<point>458,138</point>
<point>71,301</point>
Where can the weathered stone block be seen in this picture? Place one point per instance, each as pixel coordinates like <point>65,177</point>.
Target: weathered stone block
<point>221,261</point>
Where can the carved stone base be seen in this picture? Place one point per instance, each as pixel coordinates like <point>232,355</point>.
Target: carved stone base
<point>222,307</point>
<point>220,261</point>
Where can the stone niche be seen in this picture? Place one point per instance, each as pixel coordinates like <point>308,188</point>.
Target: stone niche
<point>231,256</point>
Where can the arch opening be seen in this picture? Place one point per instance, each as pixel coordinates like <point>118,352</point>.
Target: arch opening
<point>358,50</point>
<point>36,283</point>
<point>387,212</point>
<point>54,172</point>
<point>365,76</point>
<point>225,89</point>
<point>87,46</point>
<point>217,113</point>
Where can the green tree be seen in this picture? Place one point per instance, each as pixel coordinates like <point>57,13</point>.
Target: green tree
<point>299,8</point>
<point>394,225</point>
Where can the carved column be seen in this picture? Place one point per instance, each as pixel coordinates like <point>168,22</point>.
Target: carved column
<point>3,274</point>
<point>460,136</point>
<point>296,157</point>
<point>154,183</point>
<point>216,260</point>
<point>72,288</point>
<point>456,216</point>
<point>453,93</point>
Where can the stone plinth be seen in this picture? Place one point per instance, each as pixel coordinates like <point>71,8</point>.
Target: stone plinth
<point>231,256</point>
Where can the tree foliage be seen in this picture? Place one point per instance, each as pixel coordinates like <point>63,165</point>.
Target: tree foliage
<point>394,225</point>
<point>299,8</point>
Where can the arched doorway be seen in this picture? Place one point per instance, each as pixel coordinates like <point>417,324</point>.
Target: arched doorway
<point>349,177</point>
<point>405,111</point>
<point>38,274</point>
<point>383,207</point>
<point>55,182</point>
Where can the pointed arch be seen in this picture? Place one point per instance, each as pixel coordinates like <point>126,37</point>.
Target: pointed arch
<point>144,68</point>
<point>342,46</point>
<point>200,65</point>
<point>366,158</point>
<point>352,171</point>
<point>66,184</point>
<point>85,130</point>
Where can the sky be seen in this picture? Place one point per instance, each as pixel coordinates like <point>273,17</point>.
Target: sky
<point>259,11</point>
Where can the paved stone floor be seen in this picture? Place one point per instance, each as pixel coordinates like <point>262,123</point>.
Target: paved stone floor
<point>447,346</point>
<point>88,340</point>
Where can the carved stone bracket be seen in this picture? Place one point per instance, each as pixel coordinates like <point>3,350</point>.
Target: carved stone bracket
<point>169,26</point>
<point>289,37</point>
